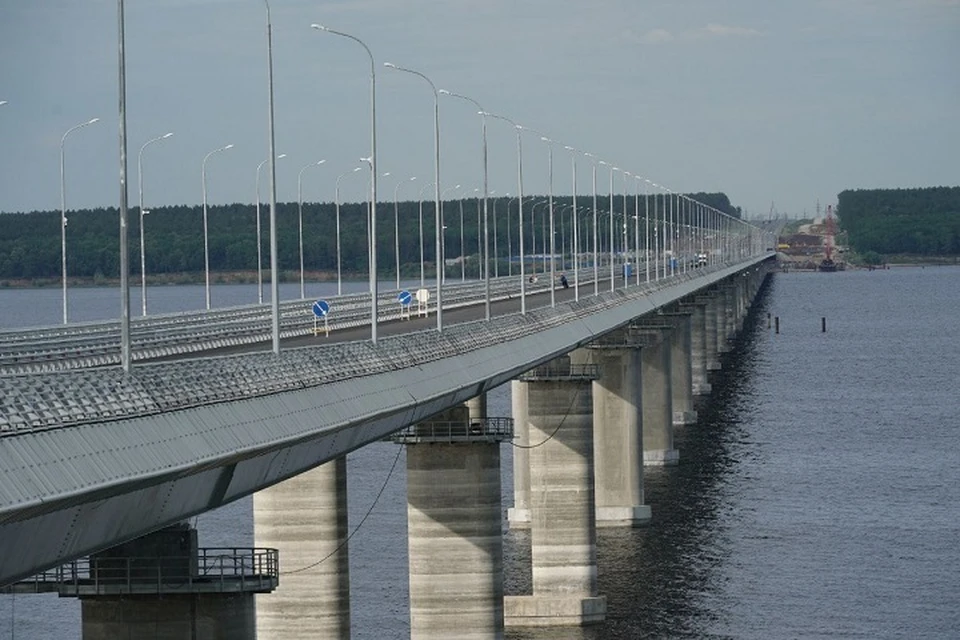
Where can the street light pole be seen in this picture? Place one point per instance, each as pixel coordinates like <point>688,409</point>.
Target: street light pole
<point>553,268</point>
<point>420,215</point>
<point>63,214</point>
<point>274,258</point>
<point>143,259</point>
<point>486,235</point>
<point>206,242</point>
<point>496,248</point>
<point>259,235</point>
<point>509,239</point>
<point>596,249</point>
<point>443,236</point>
<point>612,273</point>
<point>373,179</point>
<point>300,219</point>
<point>436,151</point>
<point>523,280</point>
<point>337,201</point>
<point>576,239</point>
<point>396,228</point>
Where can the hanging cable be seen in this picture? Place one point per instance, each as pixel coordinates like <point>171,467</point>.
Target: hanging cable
<point>359,524</point>
<point>564,419</point>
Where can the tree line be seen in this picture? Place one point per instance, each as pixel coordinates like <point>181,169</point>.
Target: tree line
<point>30,243</point>
<point>922,221</point>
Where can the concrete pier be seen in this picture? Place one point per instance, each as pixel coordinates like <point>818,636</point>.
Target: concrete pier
<point>518,516</point>
<point>563,508</point>
<point>172,617</point>
<point>306,518</point>
<point>722,313</point>
<point>698,347</point>
<point>657,398</point>
<point>454,525</point>
<point>618,431</point>
<point>681,367</point>
<point>710,331</point>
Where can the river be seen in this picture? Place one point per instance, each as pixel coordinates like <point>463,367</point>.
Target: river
<point>815,498</point>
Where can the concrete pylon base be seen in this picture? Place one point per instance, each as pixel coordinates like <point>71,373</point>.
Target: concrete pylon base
<point>623,516</point>
<point>213,616</point>
<point>661,458</point>
<point>553,610</point>
<point>518,518</point>
<point>684,417</point>
<point>702,389</point>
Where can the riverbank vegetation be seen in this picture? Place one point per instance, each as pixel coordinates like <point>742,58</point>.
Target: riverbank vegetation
<point>30,243</point>
<point>923,224</point>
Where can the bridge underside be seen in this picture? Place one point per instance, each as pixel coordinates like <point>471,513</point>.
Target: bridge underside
<point>116,480</point>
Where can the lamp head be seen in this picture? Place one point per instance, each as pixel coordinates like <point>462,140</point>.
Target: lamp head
<point>355,169</point>
<point>229,146</point>
<point>92,120</point>
<point>282,155</point>
<point>318,27</point>
<point>166,135</point>
<point>390,65</point>
<point>443,92</point>
<point>320,161</point>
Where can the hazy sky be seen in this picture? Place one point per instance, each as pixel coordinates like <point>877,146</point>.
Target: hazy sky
<point>769,101</point>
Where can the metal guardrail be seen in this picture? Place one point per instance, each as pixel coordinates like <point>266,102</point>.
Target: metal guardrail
<point>212,570</point>
<point>450,432</point>
<point>85,345</point>
<point>555,371</point>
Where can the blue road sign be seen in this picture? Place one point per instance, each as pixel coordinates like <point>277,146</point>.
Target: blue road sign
<point>405,298</point>
<point>321,308</point>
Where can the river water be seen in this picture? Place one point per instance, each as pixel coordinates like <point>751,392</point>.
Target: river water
<point>816,497</point>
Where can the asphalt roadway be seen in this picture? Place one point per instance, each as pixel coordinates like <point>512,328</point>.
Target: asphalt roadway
<point>539,299</point>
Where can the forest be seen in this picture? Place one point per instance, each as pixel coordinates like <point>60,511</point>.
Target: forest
<point>30,243</point>
<point>923,221</point>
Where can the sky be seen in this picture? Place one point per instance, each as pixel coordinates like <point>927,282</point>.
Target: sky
<point>778,104</point>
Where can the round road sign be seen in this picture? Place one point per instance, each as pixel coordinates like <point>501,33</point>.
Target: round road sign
<point>321,308</point>
<point>405,298</point>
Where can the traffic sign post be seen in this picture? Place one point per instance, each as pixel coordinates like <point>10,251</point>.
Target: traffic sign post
<point>423,302</point>
<point>321,309</point>
<point>404,298</point>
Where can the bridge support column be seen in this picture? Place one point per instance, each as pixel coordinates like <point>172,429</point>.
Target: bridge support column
<point>519,514</point>
<point>698,347</point>
<point>454,526</point>
<point>746,299</point>
<point>710,331</point>
<point>618,432</point>
<point>563,517</point>
<point>729,291</point>
<point>306,518</point>
<point>681,367</point>
<point>657,398</point>
<point>158,586</point>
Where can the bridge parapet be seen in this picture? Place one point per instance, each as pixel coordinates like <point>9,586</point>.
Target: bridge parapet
<point>34,402</point>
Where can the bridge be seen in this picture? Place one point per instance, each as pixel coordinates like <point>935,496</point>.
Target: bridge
<point>93,456</point>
